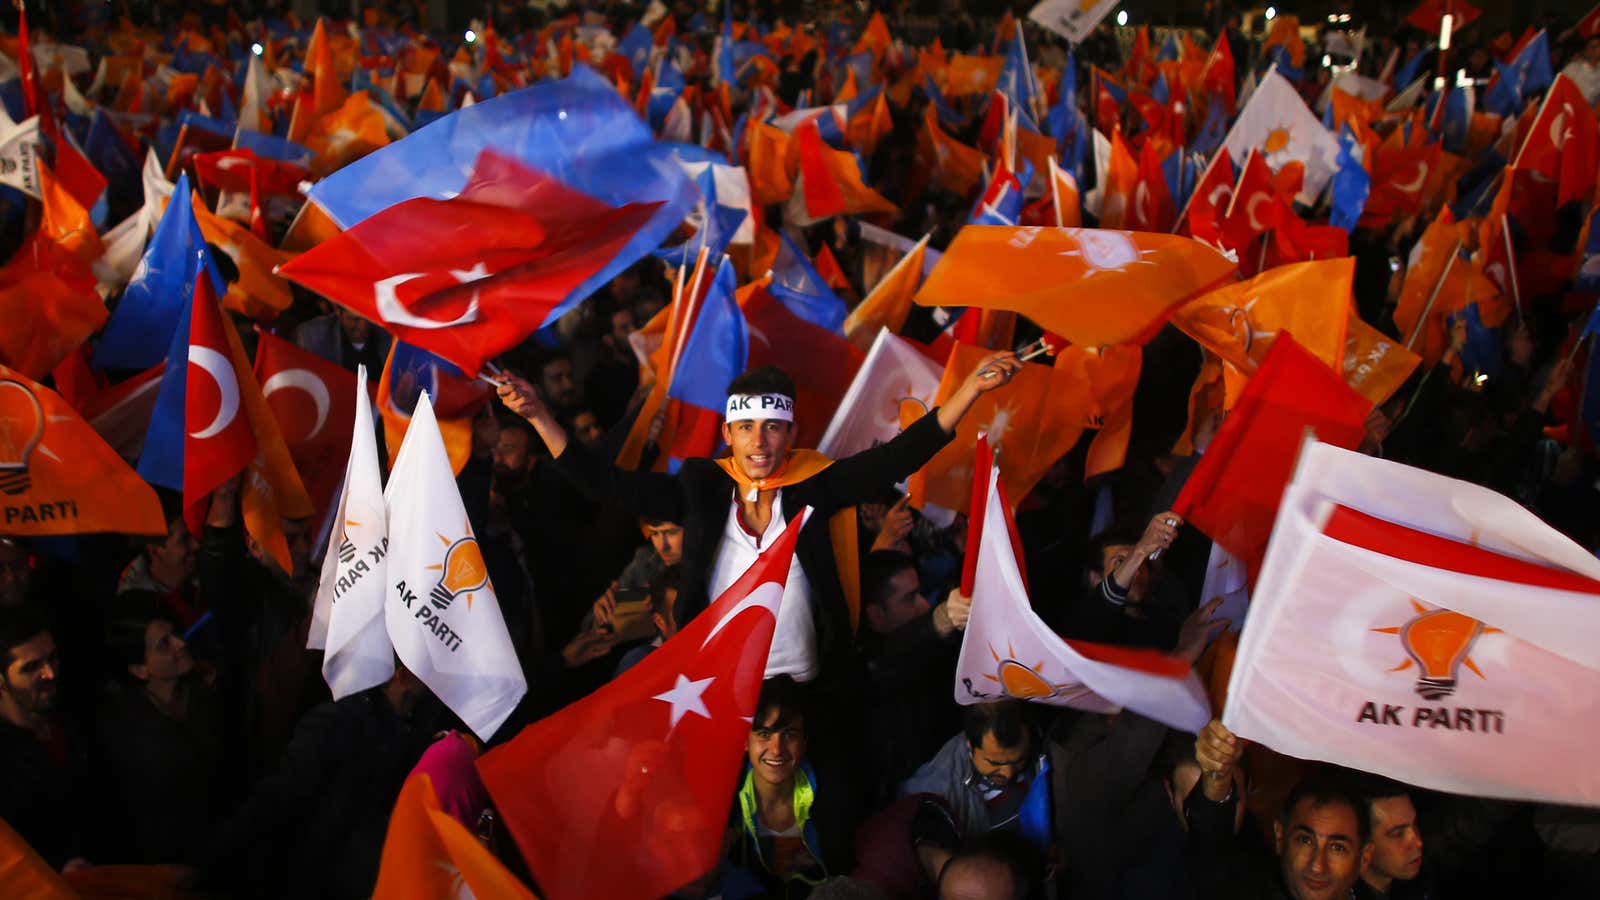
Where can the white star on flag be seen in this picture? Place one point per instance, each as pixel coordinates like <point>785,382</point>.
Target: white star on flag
<point>685,698</point>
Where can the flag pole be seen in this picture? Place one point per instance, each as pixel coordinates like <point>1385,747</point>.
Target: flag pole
<point>1511,265</point>
<point>1427,308</point>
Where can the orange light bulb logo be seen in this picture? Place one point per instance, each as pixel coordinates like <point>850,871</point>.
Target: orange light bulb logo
<point>464,572</point>
<point>1439,642</point>
<point>21,428</point>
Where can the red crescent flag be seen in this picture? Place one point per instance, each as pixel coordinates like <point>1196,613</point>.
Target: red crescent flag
<point>626,793</point>
<point>310,398</point>
<point>218,442</point>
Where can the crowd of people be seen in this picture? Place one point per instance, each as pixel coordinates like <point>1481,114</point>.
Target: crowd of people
<point>159,705</point>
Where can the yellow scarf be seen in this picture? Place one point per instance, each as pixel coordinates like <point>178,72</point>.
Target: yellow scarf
<point>797,466</point>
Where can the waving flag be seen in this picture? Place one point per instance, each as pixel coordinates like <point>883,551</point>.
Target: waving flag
<point>869,413</point>
<point>307,394</point>
<point>535,245</point>
<point>797,283</point>
<point>1422,628</point>
<point>1277,124</point>
<point>428,853</point>
<point>1008,651</point>
<point>890,301</point>
<point>1351,184</point>
<point>1213,195</point>
<point>626,792</point>
<point>1072,19</point>
<point>821,362</point>
<point>63,478</point>
<point>1233,494</point>
<point>1017,81</point>
<point>830,182</point>
<point>1523,77</point>
<point>48,305</point>
<point>347,616</point>
<point>1564,142</point>
<point>1241,322</point>
<point>955,166</point>
<point>1093,286</point>
<point>407,374</point>
<point>714,353</point>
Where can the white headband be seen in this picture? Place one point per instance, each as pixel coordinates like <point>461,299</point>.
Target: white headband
<point>749,407</point>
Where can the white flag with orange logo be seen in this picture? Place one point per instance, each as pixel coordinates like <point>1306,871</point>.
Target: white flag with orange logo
<point>893,373</point>
<point>441,609</point>
<point>1277,124</point>
<point>347,619</point>
<point>1008,651</point>
<point>1426,629</point>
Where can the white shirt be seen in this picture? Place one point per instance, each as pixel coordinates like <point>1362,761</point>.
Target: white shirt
<point>794,642</point>
<point>1586,77</point>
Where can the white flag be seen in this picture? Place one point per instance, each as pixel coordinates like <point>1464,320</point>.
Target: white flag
<point>347,620</point>
<point>869,413</point>
<point>19,154</point>
<point>1278,124</point>
<point>1227,579</point>
<point>1008,651</point>
<point>441,610</point>
<point>1072,19</point>
<point>1426,629</point>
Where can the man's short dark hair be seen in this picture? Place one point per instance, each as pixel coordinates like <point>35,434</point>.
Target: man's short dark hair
<point>763,380</point>
<point>1328,790</point>
<point>785,697</point>
<point>18,625</point>
<point>668,579</point>
<point>1373,788</point>
<point>878,569</point>
<point>125,633</point>
<point>1007,849</point>
<point>1115,536</point>
<point>1006,719</point>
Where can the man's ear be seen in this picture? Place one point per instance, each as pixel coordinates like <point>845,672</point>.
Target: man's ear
<point>1277,837</point>
<point>1366,855</point>
<point>875,616</point>
<point>139,671</point>
<point>727,434</point>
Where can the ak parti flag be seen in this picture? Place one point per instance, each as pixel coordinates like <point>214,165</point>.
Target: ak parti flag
<point>1241,322</point>
<point>1112,374</point>
<point>1232,495</point>
<point>890,301</point>
<point>1375,365</point>
<point>456,399</point>
<point>894,373</point>
<point>427,854</point>
<point>60,477</point>
<point>346,134</point>
<point>1031,422</point>
<point>626,793</point>
<point>1008,651</point>
<point>1092,286</point>
<point>1438,283</point>
<point>49,307</point>
<point>1425,629</point>
<point>533,241</point>
<point>309,397</point>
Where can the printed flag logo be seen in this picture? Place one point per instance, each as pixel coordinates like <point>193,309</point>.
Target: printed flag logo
<point>1438,642</point>
<point>21,432</point>
<point>462,572</point>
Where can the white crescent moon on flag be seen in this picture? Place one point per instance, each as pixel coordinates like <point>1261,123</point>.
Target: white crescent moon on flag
<point>1415,184</point>
<point>1250,210</point>
<point>1141,203</point>
<point>1220,194</point>
<point>393,312</point>
<point>1558,127</point>
<point>221,370</point>
<point>307,381</point>
<point>767,595</point>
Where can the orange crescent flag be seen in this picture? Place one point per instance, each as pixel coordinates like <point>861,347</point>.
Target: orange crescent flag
<point>428,854</point>
<point>1092,286</point>
<point>1239,323</point>
<point>57,476</point>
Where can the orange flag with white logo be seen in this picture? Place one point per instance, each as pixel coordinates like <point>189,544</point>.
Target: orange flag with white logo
<point>57,476</point>
<point>967,75</point>
<point>257,293</point>
<point>890,302</point>
<point>427,854</point>
<point>1438,282</point>
<point>1239,323</point>
<point>1112,374</point>
<point>1031,423</point>
<point>1092,286</point>
<point>346,134</point>
<point>1374,363</point>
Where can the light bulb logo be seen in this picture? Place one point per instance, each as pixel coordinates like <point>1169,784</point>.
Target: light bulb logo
<point>21,428</point>
<point>1438,643</point>
<point>462,572</point>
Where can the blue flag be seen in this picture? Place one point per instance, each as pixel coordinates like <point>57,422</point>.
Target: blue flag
<point>715,352</point>
<point>795,281</point>
<point>578,129</point>
<point>161,459</point>
<point>1526,75</point>
<point>941,106</point>
<point>1017,81</point>
<point>142,324</point>
<point>273,147</point>
<point>105,149</point>
<point>1457,120</point>
<point>1169,48</point>
<point>1483,352</point>
<point>1350,184</point>
<point>1411,69</point>
<point>635,45</point>
<point>1212,132</point>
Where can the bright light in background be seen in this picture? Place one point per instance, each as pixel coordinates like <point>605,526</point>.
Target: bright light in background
<point>1272,13</point>
<point>257,49</point>
<point>471,35</point>
<point>1122,17</point>
<point>1445,22</point>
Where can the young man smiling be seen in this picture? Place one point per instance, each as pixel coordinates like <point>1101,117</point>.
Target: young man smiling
<point>731,508</point>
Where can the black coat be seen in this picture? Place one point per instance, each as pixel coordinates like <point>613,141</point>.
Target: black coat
<point>699,494</point>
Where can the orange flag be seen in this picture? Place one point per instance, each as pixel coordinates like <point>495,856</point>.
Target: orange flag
<point>1092,286</point>
<point>1375,364</point>
<point>1239,323</point>
<point>25,874</point>
<point>1122,186</point>
<point>345,135</point>
<point>64,220</point>
<point>833,274</point>
<point>1031,423</point>
<point>830,182</point>
<point>968,75</point>
<point>890,301</point>
<point>428,854</point>
<point>1438,282</point>
<point>771,181</point>
<point>57,476</point>
<point>957,167</point>
<point>327,91</point>
<point>1112,374</point>
<point>48,308</point>
<point>257,293</point>
<point>1064,197</point>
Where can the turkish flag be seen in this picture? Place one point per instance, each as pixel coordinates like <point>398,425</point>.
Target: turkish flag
<point>230,170</point>
<point>1561,146</point>
<point>470,277</point>
<point>218,441</point>
<point>1398,178</point>
<point>1256,207</point>
<point>626,793</point>
<point>1232,495</point>
<point>1152,202</point>
<point>310,398</point>
<point>1211,198</point>
<point>821,362</point>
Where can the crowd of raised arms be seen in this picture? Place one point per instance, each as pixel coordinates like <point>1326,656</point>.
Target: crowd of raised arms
<point>740,320</point>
